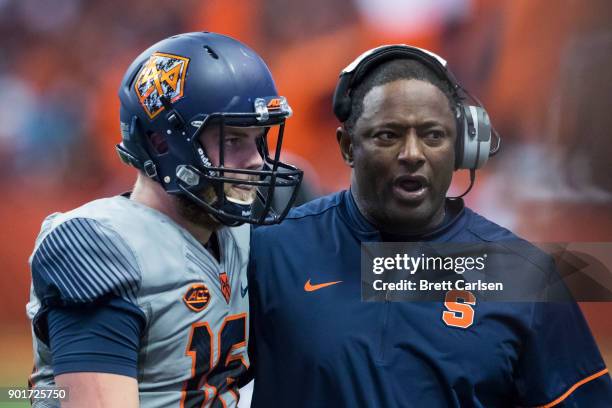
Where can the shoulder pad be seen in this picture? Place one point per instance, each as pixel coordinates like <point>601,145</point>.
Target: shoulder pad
<point>79,261</point>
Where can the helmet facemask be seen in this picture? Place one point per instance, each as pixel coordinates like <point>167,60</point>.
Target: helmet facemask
<point>219,188</point>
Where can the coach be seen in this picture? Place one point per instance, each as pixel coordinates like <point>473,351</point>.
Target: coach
<point>406,126</point>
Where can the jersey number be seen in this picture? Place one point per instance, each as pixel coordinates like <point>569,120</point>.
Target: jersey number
<point>213,376</point>
<point>459,314</point>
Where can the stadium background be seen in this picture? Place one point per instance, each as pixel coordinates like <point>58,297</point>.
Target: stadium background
<point>541,68</point>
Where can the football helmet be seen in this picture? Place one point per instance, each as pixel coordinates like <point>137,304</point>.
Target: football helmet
<point>186,84</point>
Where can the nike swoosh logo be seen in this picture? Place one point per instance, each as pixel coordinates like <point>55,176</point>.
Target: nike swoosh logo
<point>243,291</point>
<point>308,287</point>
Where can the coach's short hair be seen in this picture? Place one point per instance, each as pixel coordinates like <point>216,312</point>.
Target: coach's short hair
<point>390,71</point>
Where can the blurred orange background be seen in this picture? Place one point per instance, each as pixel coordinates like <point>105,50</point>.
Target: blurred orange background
<point>540,67</point>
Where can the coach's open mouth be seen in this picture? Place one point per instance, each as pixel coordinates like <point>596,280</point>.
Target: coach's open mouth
<point>410,188</point>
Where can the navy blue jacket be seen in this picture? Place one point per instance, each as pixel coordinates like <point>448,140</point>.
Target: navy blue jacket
<point>325,347</point>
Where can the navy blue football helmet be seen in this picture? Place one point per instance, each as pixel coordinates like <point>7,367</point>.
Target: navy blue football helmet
<point>185,84</point>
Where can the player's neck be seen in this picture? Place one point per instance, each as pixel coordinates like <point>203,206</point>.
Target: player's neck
<point>151,194</point>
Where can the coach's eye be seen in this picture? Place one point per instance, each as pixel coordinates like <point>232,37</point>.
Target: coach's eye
<point>385,136</point>
<point>434,135</point>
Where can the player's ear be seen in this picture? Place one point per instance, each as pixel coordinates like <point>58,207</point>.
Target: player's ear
<point>346,145</point>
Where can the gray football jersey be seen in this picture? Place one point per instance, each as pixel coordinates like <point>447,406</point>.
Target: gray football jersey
<point>195,339</point>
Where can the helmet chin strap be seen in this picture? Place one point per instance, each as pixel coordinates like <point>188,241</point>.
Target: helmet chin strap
<point>239,201</point>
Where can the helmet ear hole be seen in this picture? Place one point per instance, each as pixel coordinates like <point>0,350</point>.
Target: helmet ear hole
<point>158,143</point>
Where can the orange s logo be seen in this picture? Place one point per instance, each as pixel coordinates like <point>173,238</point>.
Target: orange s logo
<point>459,314</point>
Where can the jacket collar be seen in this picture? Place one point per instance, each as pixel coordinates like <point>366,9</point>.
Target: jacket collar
<point>454,221</point>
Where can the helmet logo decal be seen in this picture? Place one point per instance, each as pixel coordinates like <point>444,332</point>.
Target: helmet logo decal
<point>274,104</point>
<point>163,74</point>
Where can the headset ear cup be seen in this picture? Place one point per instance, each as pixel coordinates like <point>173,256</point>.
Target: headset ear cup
<point>476,139</point>
<point>342,100</point>
<point>461,135</point>
<point>343,109</point>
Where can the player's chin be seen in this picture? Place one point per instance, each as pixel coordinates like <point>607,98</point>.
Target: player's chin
<point>241,193</point>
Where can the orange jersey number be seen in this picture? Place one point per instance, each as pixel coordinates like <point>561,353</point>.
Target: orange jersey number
<point>213,376</point>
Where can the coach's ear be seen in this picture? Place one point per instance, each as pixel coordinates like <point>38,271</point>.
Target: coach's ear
<point>346,145</point>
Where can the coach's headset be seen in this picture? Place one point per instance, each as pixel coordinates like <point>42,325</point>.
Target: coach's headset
<point>474,129</point>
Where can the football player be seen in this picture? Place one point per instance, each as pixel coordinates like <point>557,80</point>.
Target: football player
<point>141,299</point>
<point>406,126</point>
